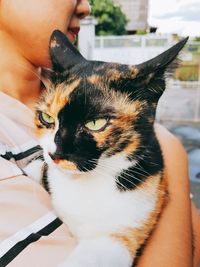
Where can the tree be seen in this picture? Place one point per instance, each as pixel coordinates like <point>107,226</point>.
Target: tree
<point>110,18</point>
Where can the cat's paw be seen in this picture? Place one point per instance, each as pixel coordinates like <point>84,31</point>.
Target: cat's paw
<point>80,261</point>
<point>101,252</point>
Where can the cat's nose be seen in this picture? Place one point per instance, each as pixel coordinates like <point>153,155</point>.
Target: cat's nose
<point>53,156</point>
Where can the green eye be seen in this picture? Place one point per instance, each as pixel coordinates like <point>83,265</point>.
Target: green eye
<point>96,125</point>
<point>46,119</point>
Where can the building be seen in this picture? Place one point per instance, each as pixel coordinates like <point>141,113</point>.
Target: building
<point>136,12</point>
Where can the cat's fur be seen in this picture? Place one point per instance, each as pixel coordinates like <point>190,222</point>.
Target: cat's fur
<point>108,185</point>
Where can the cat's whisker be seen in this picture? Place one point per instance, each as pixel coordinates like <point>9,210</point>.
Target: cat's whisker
<point>117,181</point>
<point>123,186</point>
<point>130,171</point>
<point>104,167</point>
<point>144,192</point>
<point>143,172</point>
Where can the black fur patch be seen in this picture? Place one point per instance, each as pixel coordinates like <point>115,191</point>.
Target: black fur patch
<point>45,182</point>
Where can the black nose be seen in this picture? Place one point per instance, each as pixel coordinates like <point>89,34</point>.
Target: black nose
<point>53,156</point>
<point>56,156</point>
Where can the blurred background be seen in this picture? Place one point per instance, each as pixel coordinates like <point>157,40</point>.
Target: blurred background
<point>133,31</point>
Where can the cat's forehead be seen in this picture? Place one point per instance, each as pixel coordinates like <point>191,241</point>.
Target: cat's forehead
<point>97,71</point>
<point>90,84</point>
<point>95,80</point>
<point>91,89</point>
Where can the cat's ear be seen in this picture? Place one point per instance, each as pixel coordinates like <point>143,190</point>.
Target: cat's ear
<point>63,53</point>
<point>147,80</point>
<point>162,61</point>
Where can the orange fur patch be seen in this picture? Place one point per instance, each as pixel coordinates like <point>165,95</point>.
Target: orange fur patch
<point>39,132</point>
<point>94,79</point>
<point>130,108</point>
<point>134,144</point>
<point>101,137</point>
<point>65,164</point>
<point>133,71</point>
<point>61,97</point>
<point>114,74</point>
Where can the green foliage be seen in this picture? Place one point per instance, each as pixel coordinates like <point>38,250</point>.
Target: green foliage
<point>110,19</point>
<point>197,39</point>
<point>187,72</point>
<point>141,32</point>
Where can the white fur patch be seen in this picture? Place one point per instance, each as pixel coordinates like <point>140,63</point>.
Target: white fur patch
<point>47,141</point>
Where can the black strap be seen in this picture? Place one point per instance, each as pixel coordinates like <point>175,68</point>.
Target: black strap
<point>9,155</point>
<point>21,245</point>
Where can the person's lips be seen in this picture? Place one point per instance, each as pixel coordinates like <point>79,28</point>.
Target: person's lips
<point>73,33</point>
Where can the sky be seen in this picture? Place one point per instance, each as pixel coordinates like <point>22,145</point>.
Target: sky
<point>175,16</point>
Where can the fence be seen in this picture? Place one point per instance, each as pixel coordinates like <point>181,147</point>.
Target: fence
<point>129,49</point>
<point>136,49</point>
<point>141,41</point>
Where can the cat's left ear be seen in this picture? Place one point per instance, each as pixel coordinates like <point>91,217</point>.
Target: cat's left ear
<point>63,53</point>
<point>147,80</point>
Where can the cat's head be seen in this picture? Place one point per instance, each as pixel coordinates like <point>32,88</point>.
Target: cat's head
<point>94,110</point>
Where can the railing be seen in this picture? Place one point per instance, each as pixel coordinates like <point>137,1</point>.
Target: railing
<point>132,41</point>
<point>136,48</point>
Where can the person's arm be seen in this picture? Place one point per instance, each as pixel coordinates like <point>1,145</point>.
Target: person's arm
<point>196,233</point>
<point>171,242</point>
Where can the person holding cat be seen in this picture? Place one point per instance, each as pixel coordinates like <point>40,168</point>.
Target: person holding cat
<point>30,232</point>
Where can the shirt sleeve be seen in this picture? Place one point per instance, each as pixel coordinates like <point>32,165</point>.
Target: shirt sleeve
<point>30,232</point>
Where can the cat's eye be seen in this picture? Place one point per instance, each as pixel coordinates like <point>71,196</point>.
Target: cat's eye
<point>96,125</point>
<point>46,119</point>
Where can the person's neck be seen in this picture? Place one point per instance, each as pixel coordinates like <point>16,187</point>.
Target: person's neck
<point>18,77</point>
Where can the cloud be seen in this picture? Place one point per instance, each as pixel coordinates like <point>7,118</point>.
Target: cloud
<point>187,12</point>
<point>175,16</point>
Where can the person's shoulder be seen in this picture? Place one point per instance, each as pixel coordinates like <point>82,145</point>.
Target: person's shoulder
<point>175,157</point>
<point>168,142</point>
<point>171,146</point>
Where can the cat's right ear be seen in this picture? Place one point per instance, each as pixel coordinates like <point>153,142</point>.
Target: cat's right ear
<point>64,55</point>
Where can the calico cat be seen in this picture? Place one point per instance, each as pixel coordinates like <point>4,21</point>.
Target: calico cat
<point>95,123</point>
